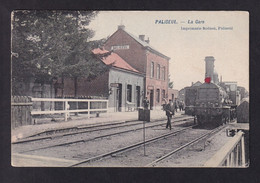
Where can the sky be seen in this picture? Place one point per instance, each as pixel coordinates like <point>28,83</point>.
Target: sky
<point>187,37</point>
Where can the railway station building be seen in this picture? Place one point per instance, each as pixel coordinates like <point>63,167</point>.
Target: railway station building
<point>138,53</point>
<point>122,85</point>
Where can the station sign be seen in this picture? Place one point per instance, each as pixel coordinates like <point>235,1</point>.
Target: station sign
<point>150,87</point>
<point>114,84</point>
<point>120,47</point>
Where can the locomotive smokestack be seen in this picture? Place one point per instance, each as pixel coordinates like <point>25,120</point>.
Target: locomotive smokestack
<point>209,67</point>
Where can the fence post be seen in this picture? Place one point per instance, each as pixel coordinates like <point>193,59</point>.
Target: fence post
<point>236,155</point>
<point>89,109</point>
<point>107,105</point>
<point>243,150</point>
<point>66,111</point>
<point>232,158</point>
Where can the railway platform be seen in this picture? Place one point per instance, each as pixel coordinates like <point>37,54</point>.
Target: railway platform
<point>81,120</point>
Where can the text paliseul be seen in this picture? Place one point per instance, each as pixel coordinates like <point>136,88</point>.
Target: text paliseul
<point>169,21</point>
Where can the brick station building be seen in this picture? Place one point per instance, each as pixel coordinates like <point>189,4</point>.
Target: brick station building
<point>138,53</point>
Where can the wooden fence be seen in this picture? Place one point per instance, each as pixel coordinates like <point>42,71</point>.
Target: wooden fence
<point>66,111</point>
<point>21,107</point>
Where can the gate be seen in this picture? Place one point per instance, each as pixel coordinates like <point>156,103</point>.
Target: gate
<point>21,107</point>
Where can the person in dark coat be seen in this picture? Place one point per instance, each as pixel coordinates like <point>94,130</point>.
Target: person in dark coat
<point>169,108</point>
<point>176,105</point>
<point>146,103</point>
<point>181,106</point>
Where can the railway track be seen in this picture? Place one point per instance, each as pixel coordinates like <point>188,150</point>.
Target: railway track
<point>51,134</point>
<point>130,147</point>
<point>139,145</point>
<point>155,162</point>
<point>150,125</point>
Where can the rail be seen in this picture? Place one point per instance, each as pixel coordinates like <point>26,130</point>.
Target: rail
<point>66,110</point>
<point>231,154</point>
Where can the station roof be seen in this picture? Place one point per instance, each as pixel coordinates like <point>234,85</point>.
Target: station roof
<point>111,58</point>
<point>144,43</point>
<point>147,45</point>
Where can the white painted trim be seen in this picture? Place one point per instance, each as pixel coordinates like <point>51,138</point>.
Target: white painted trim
<point>67,111</point>
<point>64,100</point>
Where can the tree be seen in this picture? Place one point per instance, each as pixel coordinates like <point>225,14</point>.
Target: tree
<point>53,44</point>
<point>170,85</point>
<point>48,44</point>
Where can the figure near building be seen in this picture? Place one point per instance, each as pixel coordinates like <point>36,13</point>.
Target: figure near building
<point>146,103</point>
<point>169,108</point>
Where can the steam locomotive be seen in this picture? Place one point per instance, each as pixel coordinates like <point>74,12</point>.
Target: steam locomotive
<point>212,102</point>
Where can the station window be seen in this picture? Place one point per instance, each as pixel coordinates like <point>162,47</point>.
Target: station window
<point>163,73</point>
<point>129,93</point>
<point>158,72</point>
<point>163,94</point>
<point>158,95</point>
<point>152,69</point>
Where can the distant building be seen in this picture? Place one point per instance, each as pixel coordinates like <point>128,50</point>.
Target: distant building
<point>173,94</point>
<point>198,83</point>
<point>231,88</point>
<point>243,92</point>
<point>137,52</point>
<point>182,92</point>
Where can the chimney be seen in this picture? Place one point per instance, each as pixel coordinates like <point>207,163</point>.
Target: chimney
<point>121,27</point>
<point>148,41</point>
<point>209,67</point>
<point>141,37</point>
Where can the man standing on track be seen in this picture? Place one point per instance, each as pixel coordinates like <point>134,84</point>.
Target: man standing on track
<point>169,108</point>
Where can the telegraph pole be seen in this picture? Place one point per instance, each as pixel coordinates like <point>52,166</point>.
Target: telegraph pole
<point>144,136</point>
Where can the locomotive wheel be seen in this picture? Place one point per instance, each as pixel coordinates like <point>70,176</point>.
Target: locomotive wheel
<point>224,119</point>
<point>220,120</point>
<point>195,120</point>
<point>216,120</point>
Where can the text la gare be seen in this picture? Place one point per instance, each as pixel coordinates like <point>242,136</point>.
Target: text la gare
<point>196,21</point>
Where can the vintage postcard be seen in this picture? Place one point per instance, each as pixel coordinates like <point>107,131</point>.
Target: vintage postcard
<point>130,88</point>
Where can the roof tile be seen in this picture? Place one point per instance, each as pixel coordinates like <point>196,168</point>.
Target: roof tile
<point>114,59</point>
